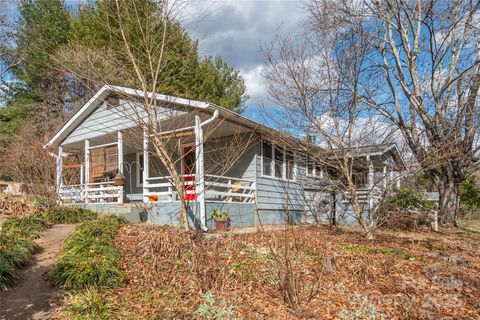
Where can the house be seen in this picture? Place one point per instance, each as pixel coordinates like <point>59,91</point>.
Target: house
<point>226,161</point>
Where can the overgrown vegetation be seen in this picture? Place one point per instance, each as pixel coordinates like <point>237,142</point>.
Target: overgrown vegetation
<point>406,210</point>
<point>17,246</point>
<point>69,215</point>
<point>89,257</point>
<point>244,276</point>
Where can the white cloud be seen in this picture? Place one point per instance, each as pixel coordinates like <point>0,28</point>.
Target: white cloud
<point>236,29</point>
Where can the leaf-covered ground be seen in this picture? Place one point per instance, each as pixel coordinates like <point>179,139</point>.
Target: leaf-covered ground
<point>397,276</point>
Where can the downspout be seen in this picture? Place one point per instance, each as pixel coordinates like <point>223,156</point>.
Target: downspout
<point>200,166</point>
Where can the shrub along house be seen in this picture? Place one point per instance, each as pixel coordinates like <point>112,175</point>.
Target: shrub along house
<point>226,161</point>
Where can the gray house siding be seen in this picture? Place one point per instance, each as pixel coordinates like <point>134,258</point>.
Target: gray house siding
<point>105,120</point>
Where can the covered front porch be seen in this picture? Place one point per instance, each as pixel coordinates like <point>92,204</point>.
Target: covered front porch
<point>123,167</point>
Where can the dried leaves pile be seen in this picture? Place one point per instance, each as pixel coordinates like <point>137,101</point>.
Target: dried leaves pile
<point>167,275</point>
<point>18,209</point>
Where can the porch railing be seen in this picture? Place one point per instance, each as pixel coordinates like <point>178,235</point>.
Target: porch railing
<point>104,192</point>
<point>217,188</point>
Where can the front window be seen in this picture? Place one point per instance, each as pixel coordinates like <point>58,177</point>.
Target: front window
<point>279,162</point>
<point>267,158</point>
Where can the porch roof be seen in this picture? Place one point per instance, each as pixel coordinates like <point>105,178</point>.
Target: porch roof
<point>107,90</point>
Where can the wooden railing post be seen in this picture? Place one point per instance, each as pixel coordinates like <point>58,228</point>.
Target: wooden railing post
<point>145,165</point>
<point>87,168</point>
<point>120,163</point>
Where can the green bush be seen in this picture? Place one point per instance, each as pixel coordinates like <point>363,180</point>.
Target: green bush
<point>43,202</point>
<point>408,200</point>
<point>89,257</point>
<point>17,252</point>
<point>69,215</point>
<point>17,246</point>
<point>7,274</point>
<point>31,227</point>
<point>470,193</point>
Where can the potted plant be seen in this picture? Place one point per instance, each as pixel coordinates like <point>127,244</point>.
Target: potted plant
<point>221,219</point>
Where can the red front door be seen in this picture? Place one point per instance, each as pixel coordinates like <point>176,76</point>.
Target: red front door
<point>188,171</point>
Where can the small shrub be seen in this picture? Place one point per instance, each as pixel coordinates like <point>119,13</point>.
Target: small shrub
<point>69,215</point>
<point>17,246</point>
<point>405,210</point>
<point>88,304</point>
<point>17,252</point>
<point>408,200</point>
<point>89,257</point>
<point>31,227</point>
<point>7,274</point>
<point>44,202</point>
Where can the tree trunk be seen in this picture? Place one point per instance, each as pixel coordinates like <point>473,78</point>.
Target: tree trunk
<point>448,201</point>
<point>184,215</point>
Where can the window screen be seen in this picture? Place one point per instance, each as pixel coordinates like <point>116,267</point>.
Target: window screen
<point>267,158</point>
<point>278,162</point>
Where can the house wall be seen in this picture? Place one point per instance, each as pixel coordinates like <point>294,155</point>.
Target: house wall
<point>109,120</point>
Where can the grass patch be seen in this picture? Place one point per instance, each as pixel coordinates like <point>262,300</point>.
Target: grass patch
<point>89,257</point>
<point>399,253</point>
<point>17,246</point>
<point>69,215</point>
<point>88,304</point>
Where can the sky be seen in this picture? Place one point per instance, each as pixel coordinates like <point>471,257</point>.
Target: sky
<point>235,30</point>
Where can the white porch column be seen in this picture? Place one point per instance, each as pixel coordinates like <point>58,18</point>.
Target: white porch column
<point>398,179</point>
<point>370,182</point>
<point>120,151</point>
<point>120,162</point>
<point>81,182</point>
<point>87,169</point>
<point>59,167</point>
<point>370,174</point>
<point>200,172</point>
<point>145,165</point>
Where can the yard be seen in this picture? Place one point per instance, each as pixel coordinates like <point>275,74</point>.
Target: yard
<point>322,273</point>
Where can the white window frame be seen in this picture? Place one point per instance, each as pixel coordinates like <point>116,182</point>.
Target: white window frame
<point>314,174</point>
<point>137,169</point>
<point>272,164</point>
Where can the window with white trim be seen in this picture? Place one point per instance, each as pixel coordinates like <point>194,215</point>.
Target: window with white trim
<point>314,169</point>
<point>277,162</point>
<point>267,158</point>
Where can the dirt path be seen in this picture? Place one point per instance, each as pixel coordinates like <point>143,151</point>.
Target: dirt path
<point>29,298</point>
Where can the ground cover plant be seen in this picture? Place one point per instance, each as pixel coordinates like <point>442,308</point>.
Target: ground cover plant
<point>409,275</point>
<point>89,257</point>
<point>68,215</point>
<point>17,245</point>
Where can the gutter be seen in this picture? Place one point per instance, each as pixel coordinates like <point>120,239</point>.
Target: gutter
<point>203,218</point>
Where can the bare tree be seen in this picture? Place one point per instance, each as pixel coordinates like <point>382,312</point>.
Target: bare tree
<point>319,90</point>
<point>424,78</point>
